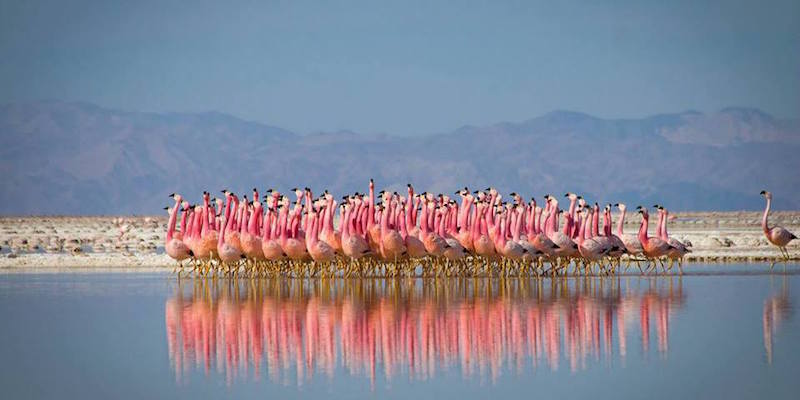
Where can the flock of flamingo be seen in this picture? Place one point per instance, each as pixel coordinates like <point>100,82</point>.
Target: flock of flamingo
<point>418,234</point>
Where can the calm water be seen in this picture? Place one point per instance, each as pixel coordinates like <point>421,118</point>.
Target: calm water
<point>733,335</point>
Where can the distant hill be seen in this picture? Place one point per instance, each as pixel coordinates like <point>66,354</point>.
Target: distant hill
<point>77,158</point>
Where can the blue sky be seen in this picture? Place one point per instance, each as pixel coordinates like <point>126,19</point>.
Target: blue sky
<point>403,67</point>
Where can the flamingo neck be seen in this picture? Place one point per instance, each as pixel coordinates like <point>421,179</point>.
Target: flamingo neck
<point>659,224</point>
<point>621,222</point>
<point>643,229</point>
<point>371,213</point>
<point>567,224</point>
<point>572,202</point>
<point>401,222</point>
<point>764,222</point>
<point>582,231</point>
<point>221,238</point>
<point>173,216</point>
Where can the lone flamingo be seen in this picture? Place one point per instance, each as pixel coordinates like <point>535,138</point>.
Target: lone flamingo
<point>776,235</point>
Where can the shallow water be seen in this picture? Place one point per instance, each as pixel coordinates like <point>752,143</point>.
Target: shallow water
<point>720,331</point>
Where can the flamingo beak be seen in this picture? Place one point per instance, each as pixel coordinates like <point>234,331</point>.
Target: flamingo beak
<point>763,192</point>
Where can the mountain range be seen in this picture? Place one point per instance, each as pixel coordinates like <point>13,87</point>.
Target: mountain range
<point>76,158</point>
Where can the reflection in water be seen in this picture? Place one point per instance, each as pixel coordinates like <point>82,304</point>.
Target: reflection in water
<point>299,328</point>
<point>777,309</point>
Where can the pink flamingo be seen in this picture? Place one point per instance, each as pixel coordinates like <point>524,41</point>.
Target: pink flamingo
<point>776,235</point>
<point>392,244</point>
<point>677,249</point>
<point>176,248</point>
<point>328,234</point>
<point>248,235</point>
<point>632,243</point>
<point>269,243</point>
<point>319,250</point>
<point>354,245</point>
<point>589,248</point>
<point>654,248</point>
<point>225,250</point>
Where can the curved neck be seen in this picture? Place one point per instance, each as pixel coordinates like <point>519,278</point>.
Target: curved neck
<point>764,223</point>
<point>173,216</point>
<point>582,233</point>
<point>643,229</point>
<point>228,220</point>
<point>572,207</point>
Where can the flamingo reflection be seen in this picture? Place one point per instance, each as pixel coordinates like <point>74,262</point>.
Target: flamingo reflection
<point>777,309</point>
<point>299,329</point>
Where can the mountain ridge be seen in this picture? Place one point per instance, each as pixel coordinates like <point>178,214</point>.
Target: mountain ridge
<point>80,158</point>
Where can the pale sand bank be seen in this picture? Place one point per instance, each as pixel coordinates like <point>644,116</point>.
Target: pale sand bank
<point>136,243</point>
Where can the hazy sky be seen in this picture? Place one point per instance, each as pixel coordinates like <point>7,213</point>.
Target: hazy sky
<point>406,68</point>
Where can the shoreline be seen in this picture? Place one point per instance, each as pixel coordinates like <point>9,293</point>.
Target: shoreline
<point>136,243</point>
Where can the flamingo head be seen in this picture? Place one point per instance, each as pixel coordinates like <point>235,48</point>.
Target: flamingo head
<point>766,194</point>
<point>571,196</point>
<point>622,207</point>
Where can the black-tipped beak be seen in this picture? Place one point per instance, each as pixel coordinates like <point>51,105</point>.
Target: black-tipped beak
<point>763,192</point>
<point>172,195</point>
<point>638,207</point>
<point>166,208</point>
<point>580,197</point>
<point>616,204</point>
<point>294,189</point>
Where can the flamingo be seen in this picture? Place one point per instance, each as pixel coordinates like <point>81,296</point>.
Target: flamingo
<point>777,235</point>
<point>319,250</point>
<point>248,235</point>
<point>654,248</point>
<point>391,243</point>
<point>270,246</point>
<point>176,248</point>
<point>227,252</point>
<point>677,249</point>
<point>354,245</point>
<point>567,248</point>
<point>590,249</point>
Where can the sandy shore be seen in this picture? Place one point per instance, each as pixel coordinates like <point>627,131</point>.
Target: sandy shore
<point>137,242</point>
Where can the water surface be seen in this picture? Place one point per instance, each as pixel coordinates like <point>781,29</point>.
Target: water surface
<point>730,333</point>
